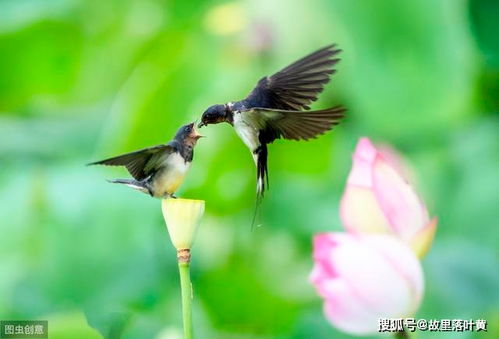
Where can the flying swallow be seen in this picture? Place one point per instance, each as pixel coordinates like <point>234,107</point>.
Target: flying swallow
<point>278,108</point>
<point>158,170</point>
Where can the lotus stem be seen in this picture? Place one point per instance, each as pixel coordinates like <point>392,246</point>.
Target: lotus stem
<point>184,258</point>
<point>182,217</point>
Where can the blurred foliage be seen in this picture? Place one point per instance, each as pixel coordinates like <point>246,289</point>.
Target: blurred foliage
<point>81,80</point>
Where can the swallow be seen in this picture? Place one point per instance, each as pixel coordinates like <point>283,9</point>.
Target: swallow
<point>158,170</point>
<point>278,107</point>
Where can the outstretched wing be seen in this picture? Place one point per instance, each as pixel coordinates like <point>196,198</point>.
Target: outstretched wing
<point>296,86</point>
<point>140,164</point>
<point>293,125</point>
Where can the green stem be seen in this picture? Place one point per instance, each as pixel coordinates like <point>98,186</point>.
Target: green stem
<point>186,288</point>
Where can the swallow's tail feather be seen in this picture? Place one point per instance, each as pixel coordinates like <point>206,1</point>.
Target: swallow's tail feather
<point>262,177</point>
<point>255,213</point>
<point>135,184</point>
<point>262,172</point>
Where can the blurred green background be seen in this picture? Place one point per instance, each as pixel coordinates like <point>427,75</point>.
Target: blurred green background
<point>85,79</point>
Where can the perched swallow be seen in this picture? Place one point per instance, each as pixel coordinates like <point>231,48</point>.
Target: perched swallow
<point>158,170</point>
<point>274,108</point>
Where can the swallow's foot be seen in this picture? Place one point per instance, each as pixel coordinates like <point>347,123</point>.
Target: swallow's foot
<point>173,196</point>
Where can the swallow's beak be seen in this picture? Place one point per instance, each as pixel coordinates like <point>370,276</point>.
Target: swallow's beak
<point>201,124</point>
<point>195,134</point>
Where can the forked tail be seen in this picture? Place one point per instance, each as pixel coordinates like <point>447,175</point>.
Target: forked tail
<point>135,184</point>
<point>262,172</point>
<point>262,178</point>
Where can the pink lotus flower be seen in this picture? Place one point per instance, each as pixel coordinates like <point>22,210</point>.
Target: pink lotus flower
<point>379,199</point>
<point>365,277</point>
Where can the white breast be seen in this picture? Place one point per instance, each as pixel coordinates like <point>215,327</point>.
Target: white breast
<point>168,180</point>
<point>248,134</point>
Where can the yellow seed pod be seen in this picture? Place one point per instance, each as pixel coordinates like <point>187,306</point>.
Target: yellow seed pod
<point>182,217</point>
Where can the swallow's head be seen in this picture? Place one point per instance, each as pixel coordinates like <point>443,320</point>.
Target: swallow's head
<point>188,134</point>
<point>213,115</point>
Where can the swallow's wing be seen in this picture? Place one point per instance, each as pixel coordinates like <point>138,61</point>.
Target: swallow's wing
<point>140,164</point>
<point>294,125</point>
<point>296,86</point>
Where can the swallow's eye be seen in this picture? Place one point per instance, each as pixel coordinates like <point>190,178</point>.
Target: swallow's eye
<point>189,129</point>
